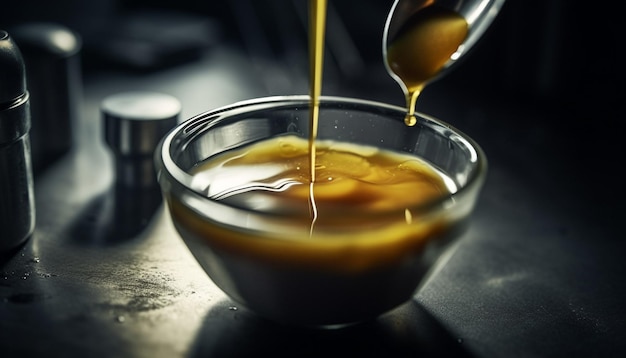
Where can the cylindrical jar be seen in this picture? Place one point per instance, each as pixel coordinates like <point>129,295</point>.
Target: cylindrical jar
<point>17,206</point>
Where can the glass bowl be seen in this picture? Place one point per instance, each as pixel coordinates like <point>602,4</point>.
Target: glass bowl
<point>356,266</point>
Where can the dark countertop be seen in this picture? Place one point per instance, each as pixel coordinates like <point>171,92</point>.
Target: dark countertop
<point>539,273</point>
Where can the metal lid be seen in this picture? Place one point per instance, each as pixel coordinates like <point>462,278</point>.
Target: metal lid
<point>14,109</point>
<point>12,71</point>
<point>135,122</point>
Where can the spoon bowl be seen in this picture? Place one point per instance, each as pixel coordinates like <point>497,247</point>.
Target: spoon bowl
<point>422,39</point>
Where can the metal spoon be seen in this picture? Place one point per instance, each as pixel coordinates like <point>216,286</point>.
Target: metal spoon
<point>423,38</point>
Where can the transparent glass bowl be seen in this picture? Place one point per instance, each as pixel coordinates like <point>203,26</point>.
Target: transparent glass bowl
<point>344,275</point>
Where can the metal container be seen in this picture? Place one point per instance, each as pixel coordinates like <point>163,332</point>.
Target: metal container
<point>17,208</point>
<point>51,54</point>
<point>134,123</point>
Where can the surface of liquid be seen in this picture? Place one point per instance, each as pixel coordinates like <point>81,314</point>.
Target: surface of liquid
<point>364,195</point>
<point>272,176</point>
<point>421,49</point>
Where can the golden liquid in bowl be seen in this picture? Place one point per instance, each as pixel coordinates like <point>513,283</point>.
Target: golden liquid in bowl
<point>325,186</point>
<point>353,184</point>
<point>332,232</point>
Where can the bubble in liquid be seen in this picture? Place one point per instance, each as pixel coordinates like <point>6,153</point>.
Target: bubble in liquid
<point>288,149</point>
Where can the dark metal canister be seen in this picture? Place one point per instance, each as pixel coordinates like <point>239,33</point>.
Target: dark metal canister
<point>17,207</point>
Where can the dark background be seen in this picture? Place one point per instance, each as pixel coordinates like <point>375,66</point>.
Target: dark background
<point>540,272</point>
<point>564,53</point>
<point>552,71</point>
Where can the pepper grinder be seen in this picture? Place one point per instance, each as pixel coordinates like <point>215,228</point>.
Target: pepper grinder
<point>17,205</point>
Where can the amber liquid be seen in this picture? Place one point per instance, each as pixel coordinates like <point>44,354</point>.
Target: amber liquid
<point>273,176</point>
<point>355,184</point>
<point>421,49</point>
<point>328,192</point>
<point>317,29</point>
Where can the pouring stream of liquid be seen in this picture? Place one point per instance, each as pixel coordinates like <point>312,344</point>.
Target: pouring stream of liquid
<point>317,29</point>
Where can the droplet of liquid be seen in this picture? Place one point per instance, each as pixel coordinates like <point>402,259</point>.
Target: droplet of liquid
<point>120,319</point>
<point>35,260</point>
<point>232,308</point>
<point>460,340</point>
<point>410,120</point>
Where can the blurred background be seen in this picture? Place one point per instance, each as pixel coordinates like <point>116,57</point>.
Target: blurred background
<point>558,52</point>
<point>546,80</point>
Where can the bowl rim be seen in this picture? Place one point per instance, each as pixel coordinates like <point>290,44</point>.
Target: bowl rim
<point>164,161</point>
